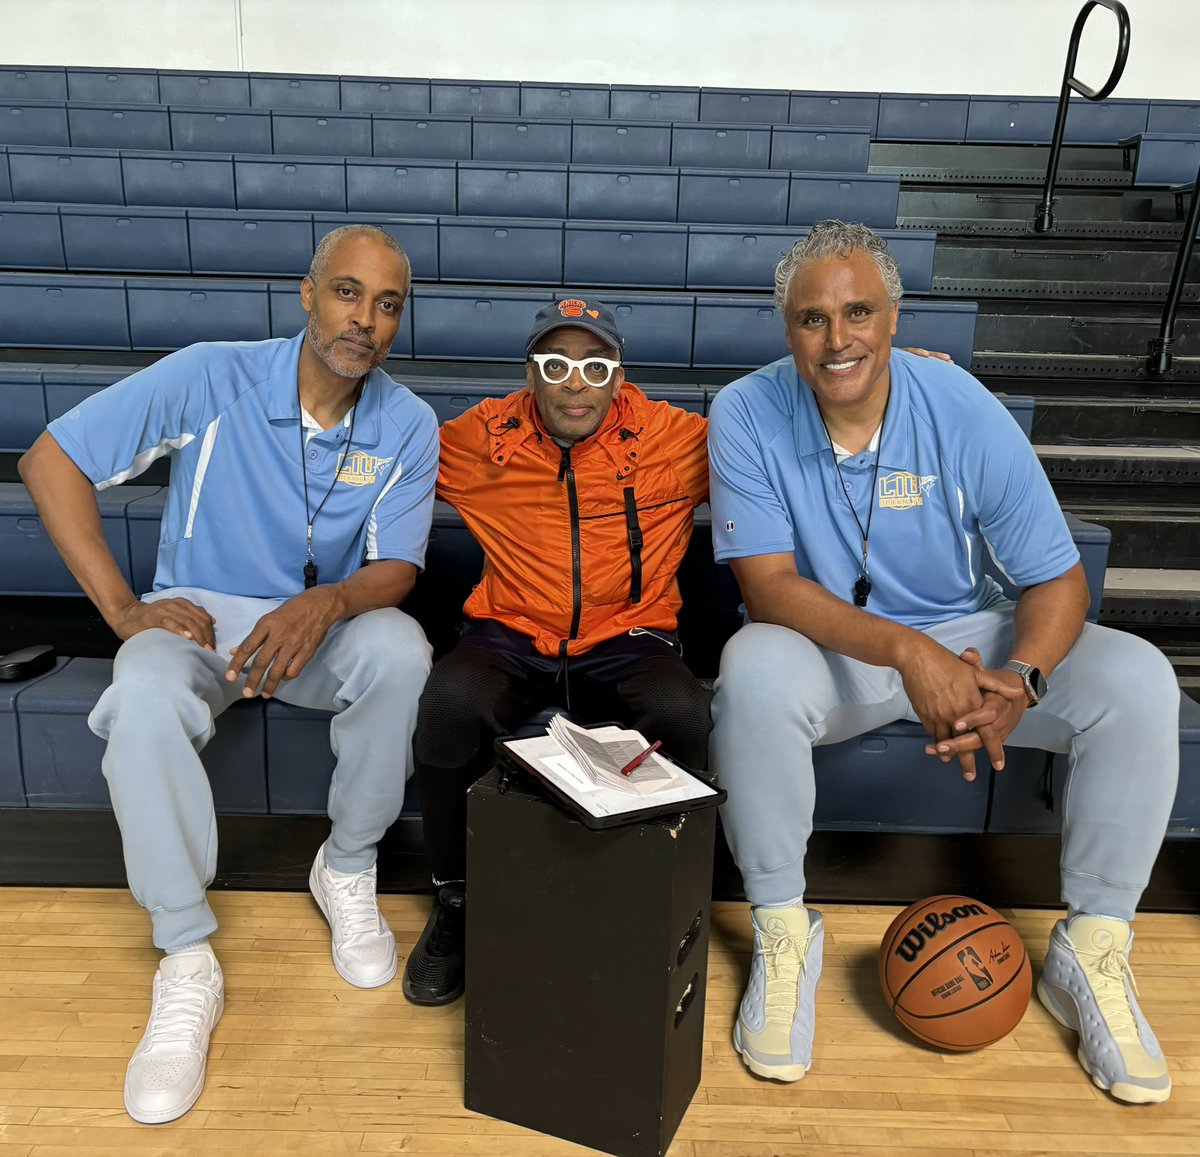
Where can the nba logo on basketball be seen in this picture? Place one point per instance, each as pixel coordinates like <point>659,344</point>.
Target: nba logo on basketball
<point>970,961</point>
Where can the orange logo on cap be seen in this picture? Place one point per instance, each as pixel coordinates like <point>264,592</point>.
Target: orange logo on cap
<point>571,307</point>
<point>592,312</point>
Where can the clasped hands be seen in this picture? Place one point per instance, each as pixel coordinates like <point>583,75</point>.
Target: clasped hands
<point>279,646</point>
<point>965,706</point>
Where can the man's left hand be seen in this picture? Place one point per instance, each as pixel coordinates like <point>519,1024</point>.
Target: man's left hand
<point>987,727</point>
<point>923,353</point>
<point>283,641</point>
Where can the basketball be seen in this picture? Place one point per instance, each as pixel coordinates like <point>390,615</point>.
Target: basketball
<point>954,972</point>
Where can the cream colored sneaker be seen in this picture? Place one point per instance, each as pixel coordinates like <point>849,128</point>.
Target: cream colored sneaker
<point>774,1030</point>
<point>1087,984</point>
<point>166,1072</point>
<point>364,949</point>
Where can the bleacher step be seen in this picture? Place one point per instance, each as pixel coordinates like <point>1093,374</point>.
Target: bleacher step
<point>1144,535</point>
<point>1132,420</point>
<point>984,200</point>
<point>1052,329</point>
<point>1063,229</point>
<point>1117,369</point>
<point>1151,597</point>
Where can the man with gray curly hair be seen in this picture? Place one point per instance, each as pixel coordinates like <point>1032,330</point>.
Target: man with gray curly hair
<point>855,489</point>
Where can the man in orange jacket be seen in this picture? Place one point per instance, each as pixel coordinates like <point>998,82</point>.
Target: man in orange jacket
<point>580,490</point>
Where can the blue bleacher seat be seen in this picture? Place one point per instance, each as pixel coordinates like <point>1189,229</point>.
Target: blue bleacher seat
<point>635,102</point>
<point>516,190</point>
<point>216,130</point>
<point>870,198</point>
<point>113,85</point>
<point>657,328</point>
<point>425,137</point>
<point>506,139</point>
<point>34,123</point>
<point>757,105</point>
<point>91,175</point>
<point>322,134</point>
<point>5,182</point>
<point>1165,158</point>
<point>30,236</point>
<point>417,235</point>
<point>188,87</point>
<point>168,315</point>
<point>828,150</point>
<point>12,785</point>
<point>449,399</point>
<point>1104,122</point>
<point>605,142</point>
<point>280,90</point>
<point>32,565</point>
<point>187,180</point>
<point>60,757</point>
<point>564,100</point>
<point>299,760</point>
<point>746,332</point>
<point>685,397</point>
<point>119,127</point>
<point>22,406</point>
<point>120,239</point>
<point>1174,116</point>
<point>287,315</point>
<point>848,109</point>
<point>379,186</point>
<point>33,84</point>
<point>475,97</point>
<point>604,193</point>
<point>466,324</point>
<point>143,518</point>
<point>373,94</point>
<point>922,117</point>
<point>499,250</point>
<point>624,253</point>
<point>718,146</point>
<point>728,197</point>
<point>290,182</point>
<point>1015,120</point>
<point>63,311</point>
<point>246,241</point>
<point>66,386</point>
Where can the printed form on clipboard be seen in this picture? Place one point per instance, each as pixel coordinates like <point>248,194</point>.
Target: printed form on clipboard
<point>584,766</point>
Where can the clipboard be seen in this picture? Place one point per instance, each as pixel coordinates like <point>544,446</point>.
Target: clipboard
<point>602,808</point>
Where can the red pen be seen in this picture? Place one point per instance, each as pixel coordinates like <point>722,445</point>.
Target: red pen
<point>638,760</point>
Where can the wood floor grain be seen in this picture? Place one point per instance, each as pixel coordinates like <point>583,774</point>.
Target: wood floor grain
<point>301,1064</point>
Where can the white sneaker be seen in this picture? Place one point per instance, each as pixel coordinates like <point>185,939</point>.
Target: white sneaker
<point>166,1072</point>
<point>364,949</point>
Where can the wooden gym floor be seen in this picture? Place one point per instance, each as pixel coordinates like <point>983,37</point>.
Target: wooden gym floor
<point>302,1064</point>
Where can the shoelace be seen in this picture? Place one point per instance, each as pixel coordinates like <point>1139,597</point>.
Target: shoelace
<point>354,900</point>
<point>785,956</point>
<point>445,937</point>
<point>1108,974</point>
<point>181,1008</point>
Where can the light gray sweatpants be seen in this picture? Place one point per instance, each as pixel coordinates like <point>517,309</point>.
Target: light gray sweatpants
<point>160,711</point>
<point>1112,706</point>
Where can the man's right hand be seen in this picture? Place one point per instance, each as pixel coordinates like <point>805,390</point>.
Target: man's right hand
<point>179,616</point>
<point>942,688</point>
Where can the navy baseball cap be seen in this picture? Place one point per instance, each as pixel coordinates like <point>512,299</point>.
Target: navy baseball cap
<point>580,312</point>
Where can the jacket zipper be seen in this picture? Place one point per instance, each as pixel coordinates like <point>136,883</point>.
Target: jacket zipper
<point>567,471</point>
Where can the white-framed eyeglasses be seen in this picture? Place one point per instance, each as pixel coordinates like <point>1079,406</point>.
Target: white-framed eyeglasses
<point>556,368</point>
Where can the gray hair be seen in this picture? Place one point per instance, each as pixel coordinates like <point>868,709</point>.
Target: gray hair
<point>837,239</point>
<point>330,241</point>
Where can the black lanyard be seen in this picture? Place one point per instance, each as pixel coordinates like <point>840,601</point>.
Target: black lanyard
<point>310,564</point>
<point>862,585</point>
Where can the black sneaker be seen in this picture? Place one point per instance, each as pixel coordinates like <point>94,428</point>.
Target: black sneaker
<point>435,970</point>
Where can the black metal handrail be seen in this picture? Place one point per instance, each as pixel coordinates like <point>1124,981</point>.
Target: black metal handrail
<point>1159,362</point>
<point>1044,221</point>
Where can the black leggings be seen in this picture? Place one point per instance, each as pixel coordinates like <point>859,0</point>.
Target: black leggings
<point>480,690</point>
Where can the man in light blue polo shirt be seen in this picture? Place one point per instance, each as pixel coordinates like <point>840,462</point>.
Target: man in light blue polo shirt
<point>293,463</point>
<point>855,492</point>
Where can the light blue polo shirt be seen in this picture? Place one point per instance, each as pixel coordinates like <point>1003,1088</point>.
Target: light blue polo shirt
<point>228,415</point>
<point>957,477</point>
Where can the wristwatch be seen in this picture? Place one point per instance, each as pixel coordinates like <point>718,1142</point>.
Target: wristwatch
<point>1035,685</point>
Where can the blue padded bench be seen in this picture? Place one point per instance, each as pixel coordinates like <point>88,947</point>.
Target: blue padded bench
<point>34,123</point>
<point>68,310</point>
<point>66,386</point>
<point>85,175</point>
<point>276,90</point>
<point>29,237</point>
<point>746,197</point>
<point>417,235</point>
<point>384,94</point>
<point>191,87</point>
<point>222,130</point>
<point>22,406</point>
<point>492,249</point>
<point>643,144</point>
<point>191,180</point>
<point>168,315</point>
<point>921,117</point>
<point>717,146</point>
<point>426,137</point>
<point>327,134</point>
<point>475,97</point>
<point>511,190</point>
<point>12,785</point>
<point>131,239</point>
<point>625,253</point>
<point>378,186</point>
<point>273,242</point>
<point>1030,120</point>
<point>745,105</point>
<point>113,85</point>
<point>846,109</point>
<point>647,103</point>
<point>19,83</point>
<point>282,182</point>
<point>1173,116</point>
<point>109,126</point>
<point>499,139</point>
<point>1162,158</point>
<point>563,100</point>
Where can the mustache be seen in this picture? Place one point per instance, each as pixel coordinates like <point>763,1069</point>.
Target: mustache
<point>355,334</point>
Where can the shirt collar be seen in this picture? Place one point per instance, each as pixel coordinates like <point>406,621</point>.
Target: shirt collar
<point>283,398</point>
<point>895,452</point>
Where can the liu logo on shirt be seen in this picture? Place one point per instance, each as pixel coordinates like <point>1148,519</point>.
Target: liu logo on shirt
<point>362,469</point>
<point>901,490</point>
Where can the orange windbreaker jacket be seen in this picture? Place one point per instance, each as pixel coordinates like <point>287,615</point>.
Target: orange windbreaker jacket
<point>582,544</point>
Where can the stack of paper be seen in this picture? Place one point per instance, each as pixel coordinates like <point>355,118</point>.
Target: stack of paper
<point>601,753</point>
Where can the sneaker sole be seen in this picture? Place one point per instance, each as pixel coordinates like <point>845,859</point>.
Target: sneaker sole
<point>165,1116</point>
<point>312,890</point>
<point>427,1002</point>
<point>1132,1094</point>
<point>786,1073</point>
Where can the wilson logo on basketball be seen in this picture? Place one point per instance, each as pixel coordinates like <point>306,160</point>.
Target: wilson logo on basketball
<point>922,932</point>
